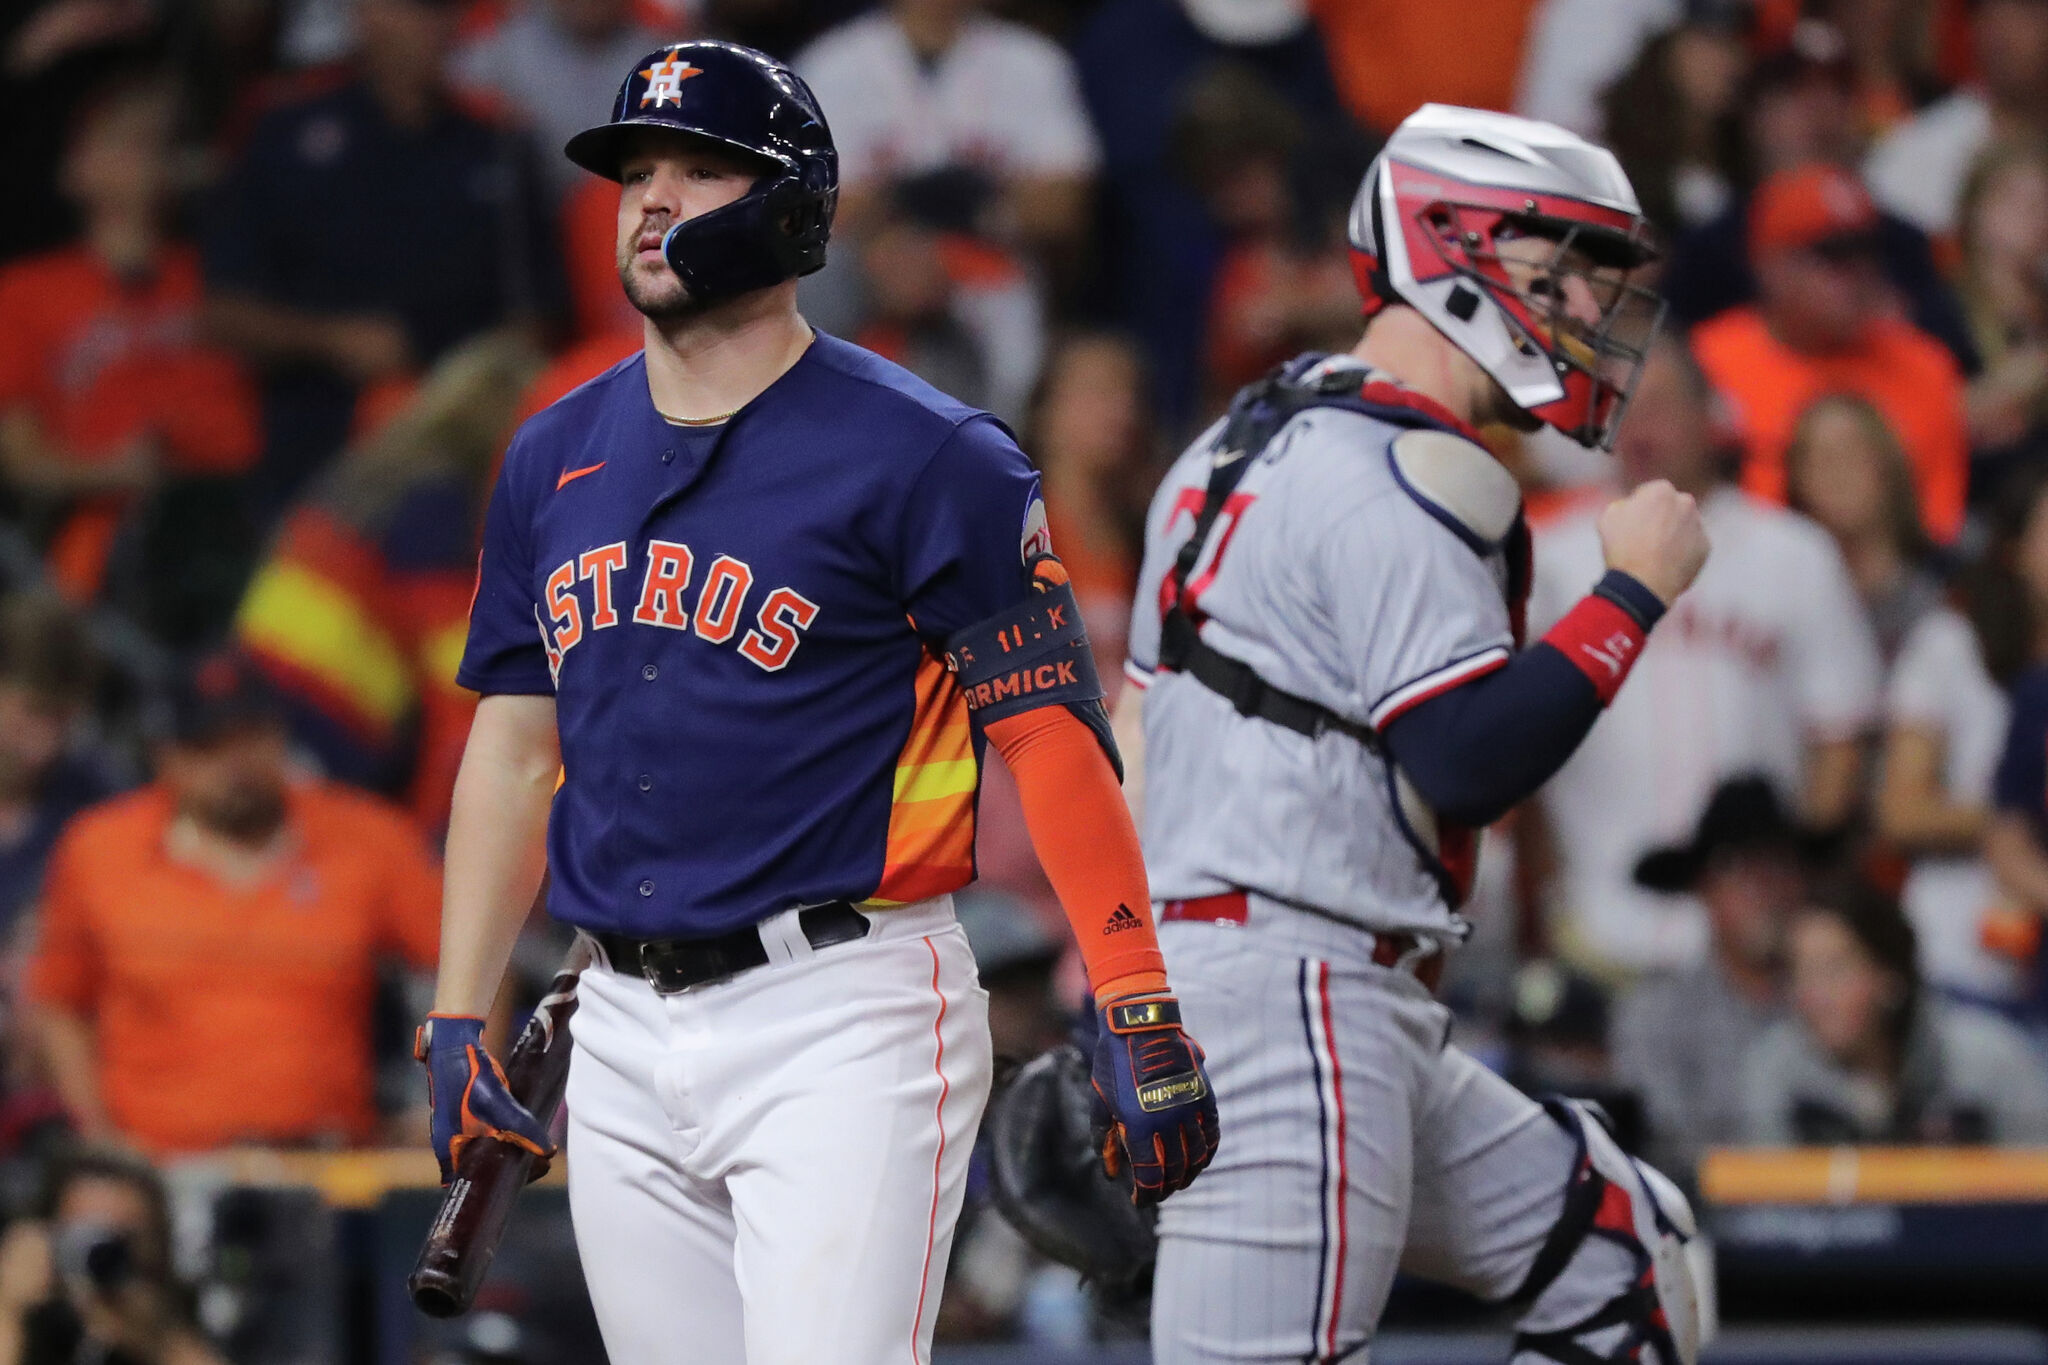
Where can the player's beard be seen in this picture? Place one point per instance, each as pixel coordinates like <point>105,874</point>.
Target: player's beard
<point>657,294</point>
<point>1497,406</point>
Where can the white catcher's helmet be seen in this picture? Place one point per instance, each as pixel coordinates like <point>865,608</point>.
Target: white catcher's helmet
<point>1450,186</point>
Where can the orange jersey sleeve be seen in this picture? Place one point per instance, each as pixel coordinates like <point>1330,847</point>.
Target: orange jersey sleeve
<point>208,413</point>
<point>64,970</point>
<point>1082,833</point>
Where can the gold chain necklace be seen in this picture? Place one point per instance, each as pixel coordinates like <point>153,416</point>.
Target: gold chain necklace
<point>698,421</point>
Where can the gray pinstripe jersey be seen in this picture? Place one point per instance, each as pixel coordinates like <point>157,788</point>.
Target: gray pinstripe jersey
<point>1335,582</point>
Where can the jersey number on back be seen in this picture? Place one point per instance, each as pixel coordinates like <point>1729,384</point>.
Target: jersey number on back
<point>1188,506</point>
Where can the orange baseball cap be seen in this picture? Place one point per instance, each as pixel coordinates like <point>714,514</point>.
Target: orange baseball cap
<point>1807,206</point>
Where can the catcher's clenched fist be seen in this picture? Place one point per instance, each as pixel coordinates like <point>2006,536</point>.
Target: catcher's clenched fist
<point>1655,536</point>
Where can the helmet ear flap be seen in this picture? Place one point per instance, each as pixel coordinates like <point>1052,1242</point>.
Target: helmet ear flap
<point>1367,241</point>
<point>1371,279</point>
<point>799,222</point>
<point>775,232</point>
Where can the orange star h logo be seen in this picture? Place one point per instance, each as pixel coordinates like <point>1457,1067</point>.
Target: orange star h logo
<point>665,82</point>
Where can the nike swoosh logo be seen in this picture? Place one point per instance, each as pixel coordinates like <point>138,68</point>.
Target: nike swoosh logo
<point>569,475</point>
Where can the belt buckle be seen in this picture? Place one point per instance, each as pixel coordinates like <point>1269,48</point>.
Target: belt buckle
<point>861,926</point>
<point>662,971</point>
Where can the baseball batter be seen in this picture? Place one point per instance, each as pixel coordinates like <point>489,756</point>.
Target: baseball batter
<point>1334,700</point>
<point>760,596</point>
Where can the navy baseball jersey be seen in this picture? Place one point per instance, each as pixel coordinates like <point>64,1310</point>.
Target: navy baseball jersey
<point>742,627</point>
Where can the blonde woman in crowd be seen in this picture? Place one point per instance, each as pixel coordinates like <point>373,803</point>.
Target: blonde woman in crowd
<point>1846,469</point>
<point>2003,232</point>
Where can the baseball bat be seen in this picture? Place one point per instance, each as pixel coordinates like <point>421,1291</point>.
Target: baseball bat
<point>464,1236</point>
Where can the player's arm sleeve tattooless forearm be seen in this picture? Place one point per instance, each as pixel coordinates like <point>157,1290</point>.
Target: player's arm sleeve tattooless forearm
<point>1475,751</point>
<point>1081,831</point>
<point>1031,687</point>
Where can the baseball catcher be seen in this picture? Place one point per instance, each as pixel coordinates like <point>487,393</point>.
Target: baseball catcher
<point>1332,696</point>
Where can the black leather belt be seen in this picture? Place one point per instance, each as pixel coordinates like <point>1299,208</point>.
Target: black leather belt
<point>677,964</point>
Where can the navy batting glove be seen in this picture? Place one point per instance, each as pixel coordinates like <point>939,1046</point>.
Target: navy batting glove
<point>1162,1111</point>
<point>470,1094</point>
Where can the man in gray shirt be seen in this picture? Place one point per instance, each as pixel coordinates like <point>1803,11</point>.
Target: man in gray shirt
<point>1679,1039</point>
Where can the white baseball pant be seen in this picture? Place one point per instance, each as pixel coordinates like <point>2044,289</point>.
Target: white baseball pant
<point>767,1171</point>
<point>1355,1143</point>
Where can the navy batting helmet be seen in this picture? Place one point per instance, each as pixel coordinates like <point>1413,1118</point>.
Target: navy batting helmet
<point>746,101</point>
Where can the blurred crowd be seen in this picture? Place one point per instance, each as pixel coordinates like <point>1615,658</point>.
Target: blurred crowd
<point>277,278</point>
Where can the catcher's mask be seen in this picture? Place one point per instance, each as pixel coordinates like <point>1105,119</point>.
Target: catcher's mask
<point>1046,1166</point>
<point>1517,240</point>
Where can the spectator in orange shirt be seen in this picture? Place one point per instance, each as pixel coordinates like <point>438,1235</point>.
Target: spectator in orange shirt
<point>598,308</point>
<point>1794,106</point>
<point>1823,323</point>
<point>105,390</point>
<point>1390,56</point>
<point>208,945</point>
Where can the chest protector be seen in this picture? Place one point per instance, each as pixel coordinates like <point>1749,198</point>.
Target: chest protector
<point>1438,463</point>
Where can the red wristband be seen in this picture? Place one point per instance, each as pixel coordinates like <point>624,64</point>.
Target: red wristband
<point>1601,640</point>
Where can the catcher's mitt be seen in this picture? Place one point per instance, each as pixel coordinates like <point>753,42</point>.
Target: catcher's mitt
<point>1046,1163</point>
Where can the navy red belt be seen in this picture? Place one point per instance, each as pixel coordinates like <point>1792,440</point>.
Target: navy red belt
<point>1228,908</point>
<point>1400,952</point>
